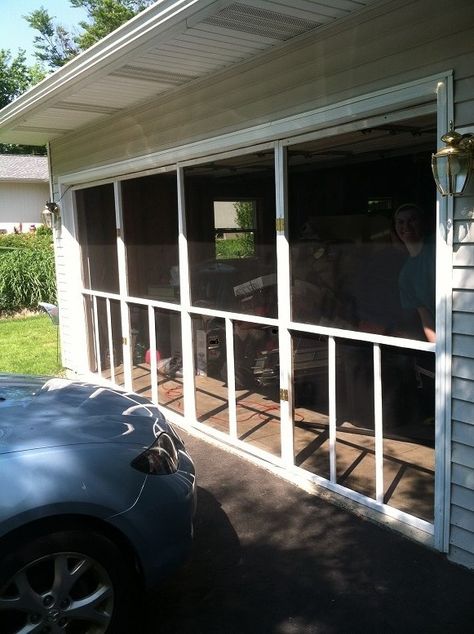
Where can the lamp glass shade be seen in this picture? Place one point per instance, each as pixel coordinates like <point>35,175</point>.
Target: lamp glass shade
<point>451,168</point>
<point>47,218</point>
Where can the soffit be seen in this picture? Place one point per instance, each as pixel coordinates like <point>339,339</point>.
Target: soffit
<point>167,46</point>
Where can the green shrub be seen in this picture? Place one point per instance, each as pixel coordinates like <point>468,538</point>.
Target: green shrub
<point>27,274</point>
<point>241,247</point>
<point>41,239</point>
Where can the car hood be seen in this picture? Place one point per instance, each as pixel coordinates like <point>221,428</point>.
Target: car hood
<point>61,412</point>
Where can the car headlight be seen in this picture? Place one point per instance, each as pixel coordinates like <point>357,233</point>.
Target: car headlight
<point>159,459</point>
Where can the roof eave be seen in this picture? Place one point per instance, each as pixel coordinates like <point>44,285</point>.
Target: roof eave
<point>159,19</point>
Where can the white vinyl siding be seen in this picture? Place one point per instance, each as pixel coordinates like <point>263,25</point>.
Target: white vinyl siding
<point>73,355</point>
<point>22,203</point>
<point>63,296</point>
<point>462,434</point>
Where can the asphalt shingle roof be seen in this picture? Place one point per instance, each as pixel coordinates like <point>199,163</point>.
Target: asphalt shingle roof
<point>16,167</point>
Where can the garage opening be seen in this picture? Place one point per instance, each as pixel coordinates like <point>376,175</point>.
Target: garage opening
<point>355,268</point>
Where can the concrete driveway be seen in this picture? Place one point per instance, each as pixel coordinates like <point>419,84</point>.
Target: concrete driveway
<point>269,557</point>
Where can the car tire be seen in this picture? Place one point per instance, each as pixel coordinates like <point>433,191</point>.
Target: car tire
<point>69,581</point>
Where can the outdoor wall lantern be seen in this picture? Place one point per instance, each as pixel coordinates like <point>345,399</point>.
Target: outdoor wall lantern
<point>51,215</point>
<point>453,164</point>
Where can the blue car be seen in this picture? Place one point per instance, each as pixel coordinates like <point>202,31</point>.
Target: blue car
<point>97,498</point>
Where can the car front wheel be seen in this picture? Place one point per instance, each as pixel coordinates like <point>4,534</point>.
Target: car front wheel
<point>69,581</point>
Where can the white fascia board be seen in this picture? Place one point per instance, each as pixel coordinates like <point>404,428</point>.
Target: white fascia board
<point>161,19</point>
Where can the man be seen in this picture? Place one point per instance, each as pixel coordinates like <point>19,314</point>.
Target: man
<point>417,277</point>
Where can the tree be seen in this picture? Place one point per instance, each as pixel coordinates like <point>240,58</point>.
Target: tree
<point>55,45</point>
<point>15,78</point>
<point>244,214</point>
<point>245,217</point>
<point>105,16</point>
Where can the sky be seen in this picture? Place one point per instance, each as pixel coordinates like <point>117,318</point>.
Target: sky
<point>15,32</point>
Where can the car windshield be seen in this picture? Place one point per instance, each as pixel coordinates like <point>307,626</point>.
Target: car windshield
<point>16,388</point>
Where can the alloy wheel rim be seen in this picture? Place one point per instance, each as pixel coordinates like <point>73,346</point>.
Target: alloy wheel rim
<point>61,592</point>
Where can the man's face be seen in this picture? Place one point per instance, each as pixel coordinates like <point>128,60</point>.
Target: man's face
<point>408,226</point>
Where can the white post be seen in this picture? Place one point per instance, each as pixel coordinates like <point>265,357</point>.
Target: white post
<point>123,286</point>
<point>444,328</point>
<point>96,335</point>
<point>378,418</point>
<point>230,357</point>
<point>152,348</point>
<point>284,308</point>
<point>111,341</point>
<point>332,408</point>
<point>185,296</point>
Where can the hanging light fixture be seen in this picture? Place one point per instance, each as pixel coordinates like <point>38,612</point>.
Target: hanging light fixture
<point>453,164</point>
<point>51,215</point>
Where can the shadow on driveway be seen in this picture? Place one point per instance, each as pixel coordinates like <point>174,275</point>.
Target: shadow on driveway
<point>269,557</point>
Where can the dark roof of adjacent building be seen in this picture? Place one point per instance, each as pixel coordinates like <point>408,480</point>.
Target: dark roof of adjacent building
<point>19,167</point>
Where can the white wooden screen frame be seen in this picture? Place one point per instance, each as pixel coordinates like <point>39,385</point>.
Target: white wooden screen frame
<point>434,93</point>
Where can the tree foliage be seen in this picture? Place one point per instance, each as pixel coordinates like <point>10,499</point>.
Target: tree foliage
<point>15,78</point>
<point>243,245</point>
<point>245,217</point>
<point>55,45</point>
<point>105,16</point>
<point>244,214</point>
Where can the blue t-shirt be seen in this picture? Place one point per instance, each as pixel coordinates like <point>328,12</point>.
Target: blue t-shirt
<point>417,280</point>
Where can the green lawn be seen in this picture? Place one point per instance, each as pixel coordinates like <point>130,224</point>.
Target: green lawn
<point>28,345</point>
